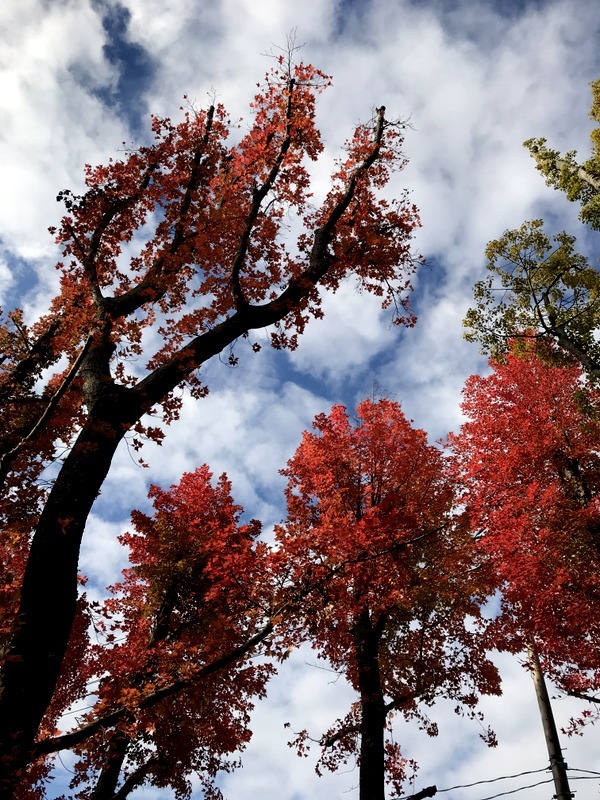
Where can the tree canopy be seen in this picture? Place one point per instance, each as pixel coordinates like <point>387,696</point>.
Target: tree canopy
<point>396,606</point>
<point>171,672</point>
<point>174,252</point>
<point>539,284</point>
<point>580,181</point>
<point>527,459</point>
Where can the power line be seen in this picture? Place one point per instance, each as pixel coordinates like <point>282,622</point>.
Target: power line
<point>430,791</point>
<point>520,789</point>
<point>77,710</point>
<point>589,771</point>
<point>476,783</point>
<point>492,780</point>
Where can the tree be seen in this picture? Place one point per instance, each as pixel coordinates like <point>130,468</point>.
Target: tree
<point>394,603</point>
<point>196,592</point>
<point>580,182</point>
<point>528,459</point>
<point>545,287</point>
<point>184,237</point>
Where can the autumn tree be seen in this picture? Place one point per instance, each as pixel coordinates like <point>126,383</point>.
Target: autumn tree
<point>171,672</point>
<point>395,588</point>
<point>539,284</point>
<point>187,238</point>
<point>528,460</point>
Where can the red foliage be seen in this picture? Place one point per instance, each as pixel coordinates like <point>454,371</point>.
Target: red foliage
<point>528,457</point>
<point>197,590</point>
<point>388,571</point>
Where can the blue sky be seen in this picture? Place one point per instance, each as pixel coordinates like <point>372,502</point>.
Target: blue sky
<point>80,77</point>
<point>133,64</point>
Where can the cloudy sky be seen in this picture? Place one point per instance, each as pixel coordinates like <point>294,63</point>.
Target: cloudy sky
<point>80,77</point>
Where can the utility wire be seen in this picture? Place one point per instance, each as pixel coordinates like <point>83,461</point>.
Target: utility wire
<point>434,790</point>
<point>77,710</point>
<point>589,771</point>
<point>520,789</point>
<point>430,791</point>
<point>491,780</point>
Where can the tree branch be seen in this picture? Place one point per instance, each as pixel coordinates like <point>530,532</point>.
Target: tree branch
<point>40,355</point>
<point>136,778</point>
<point>151,288</point>
<point>258,195</point>
<point>69,740</point>
<point>591,365</point>
<point>89,258</point>
<point>189,358</point>
<point>400,701</point>
<point>193,182</point>
<point>574,169</point>
<point>329,741</point>
<point>580,696</point>
<point>8,457</point>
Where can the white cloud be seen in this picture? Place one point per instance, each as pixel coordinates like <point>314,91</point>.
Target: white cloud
<point>246,427</point>
<point>341,352</point>
<point>51,122</point>
<point>102,556</point>
<point>6,279</point>
<point>307,697</point>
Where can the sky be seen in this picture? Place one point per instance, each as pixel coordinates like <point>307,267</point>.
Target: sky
<point>78,78</point>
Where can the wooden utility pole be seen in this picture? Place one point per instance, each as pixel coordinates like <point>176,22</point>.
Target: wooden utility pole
<point>557,762</point>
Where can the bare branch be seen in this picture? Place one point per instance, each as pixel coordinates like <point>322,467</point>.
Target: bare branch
<point>581,696</point>
<point>7,458</point>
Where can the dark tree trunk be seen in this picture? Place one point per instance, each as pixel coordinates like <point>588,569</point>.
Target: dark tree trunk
<point>106,788</point>
<point>373,713</point>
<point>49,592</point>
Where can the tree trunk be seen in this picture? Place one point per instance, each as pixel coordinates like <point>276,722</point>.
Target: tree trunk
<point>49,592</point>
<point>373,713</point>
<point>135,779</point>
<point>106,788</point>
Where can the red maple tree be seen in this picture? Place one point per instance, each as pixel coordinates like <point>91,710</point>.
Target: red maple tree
<point>187,237</point>
<point>171,674</point>
<point>392,587</point>
<point>528,459</point>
